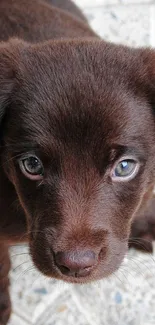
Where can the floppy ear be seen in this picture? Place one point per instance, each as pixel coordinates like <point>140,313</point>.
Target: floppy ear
<point>147,57</point>
<point>10,53</point>
<point>7,73</point>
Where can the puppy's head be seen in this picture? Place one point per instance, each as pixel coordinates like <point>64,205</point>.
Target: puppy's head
<point>78,145</point>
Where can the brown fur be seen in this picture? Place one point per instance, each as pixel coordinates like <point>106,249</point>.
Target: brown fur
<point>79,104</point>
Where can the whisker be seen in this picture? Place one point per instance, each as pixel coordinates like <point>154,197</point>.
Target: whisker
<point>10,159</point>
<point>24,272</point>
<point>138,238</point>
<point>141,262</point>
<point>142,245</point>
<point>18,266</point>
<point>121,271</point>
<point>19,254</point>
<point>117,277</point>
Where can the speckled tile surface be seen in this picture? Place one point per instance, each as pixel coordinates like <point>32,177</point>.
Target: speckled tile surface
<point>125,298</point>
<point>120,25</point>
<point>128,297</point>
<point>101,3</point>
<point>96,3</point>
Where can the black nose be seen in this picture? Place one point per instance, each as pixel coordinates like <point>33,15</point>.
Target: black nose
<point>76,263</point>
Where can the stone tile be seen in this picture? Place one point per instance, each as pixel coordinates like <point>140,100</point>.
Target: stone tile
<point>15,320</point>
<point>129,2</point>
<point>127,292</point>
<point>31,291</point>
<point>61,310</point>
<point>100,3</point>
<point>130,26</point>
<point>41,301</point>
<point>152,30</point>
<point>95,3</point>
<point>24,298</point>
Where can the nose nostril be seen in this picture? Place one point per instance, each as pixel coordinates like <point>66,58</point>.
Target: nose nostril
<point>102,254</point>
<point>75,263</point>
<point>64,269</point>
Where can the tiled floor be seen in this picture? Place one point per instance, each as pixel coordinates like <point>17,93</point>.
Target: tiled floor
<point>128,297</point>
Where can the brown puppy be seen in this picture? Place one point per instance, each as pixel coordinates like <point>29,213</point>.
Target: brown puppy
<point>77,142</point>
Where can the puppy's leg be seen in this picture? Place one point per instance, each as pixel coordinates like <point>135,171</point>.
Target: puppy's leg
<point>5,304</point>
<point>143,228</point>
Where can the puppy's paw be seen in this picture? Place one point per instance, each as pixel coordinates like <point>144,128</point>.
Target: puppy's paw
<point>5,307</point>
<point>143,230</point>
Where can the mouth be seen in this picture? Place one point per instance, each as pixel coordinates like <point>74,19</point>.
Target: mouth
<point>75,277</point>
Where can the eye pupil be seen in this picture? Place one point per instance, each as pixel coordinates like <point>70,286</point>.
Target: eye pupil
<point>32,165</point>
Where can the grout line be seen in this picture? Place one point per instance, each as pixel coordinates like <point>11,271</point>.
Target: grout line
<point>81,309</point>
<point>22,318</point>
<point>39,311</point>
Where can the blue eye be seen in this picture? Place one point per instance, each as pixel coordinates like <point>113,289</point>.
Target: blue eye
<point>125,169</point>
<point>32,167</point>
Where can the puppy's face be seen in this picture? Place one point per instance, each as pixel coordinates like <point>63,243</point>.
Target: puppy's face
<point>78,139</point>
